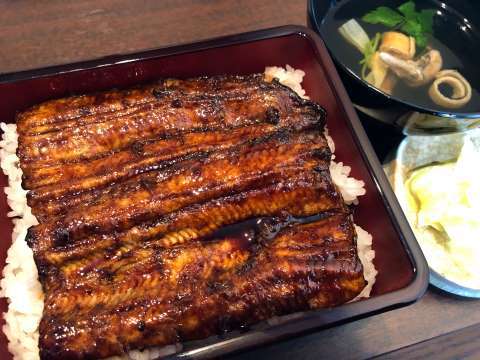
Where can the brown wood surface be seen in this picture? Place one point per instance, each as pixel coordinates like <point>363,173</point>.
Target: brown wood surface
<point>37,33</point>
<point>46,32</point>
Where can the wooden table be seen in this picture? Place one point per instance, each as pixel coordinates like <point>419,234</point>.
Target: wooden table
<point>45,32</point>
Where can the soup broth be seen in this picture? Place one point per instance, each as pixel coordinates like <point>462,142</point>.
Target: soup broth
<point>455,40</point>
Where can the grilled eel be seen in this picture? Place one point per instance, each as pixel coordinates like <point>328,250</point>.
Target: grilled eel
<point>66,138</point>
<point>201,289</point>
<point>181,209</point>
<point>200,169</point>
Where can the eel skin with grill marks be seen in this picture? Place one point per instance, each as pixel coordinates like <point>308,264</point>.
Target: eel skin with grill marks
<point>181,209</point>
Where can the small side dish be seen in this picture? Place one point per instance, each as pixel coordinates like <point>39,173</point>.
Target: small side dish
<point>437,186</point>
<point>175,211</point>
<point>443,202</point>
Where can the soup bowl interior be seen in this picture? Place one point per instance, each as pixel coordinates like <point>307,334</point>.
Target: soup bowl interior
<point>455,35</point>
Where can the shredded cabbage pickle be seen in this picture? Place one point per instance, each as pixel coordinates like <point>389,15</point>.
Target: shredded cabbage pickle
<point>444,202</point>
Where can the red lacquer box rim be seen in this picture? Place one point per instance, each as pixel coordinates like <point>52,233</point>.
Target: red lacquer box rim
<point>313,319</point>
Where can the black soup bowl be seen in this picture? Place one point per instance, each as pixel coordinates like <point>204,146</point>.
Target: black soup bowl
<point>456,34</point>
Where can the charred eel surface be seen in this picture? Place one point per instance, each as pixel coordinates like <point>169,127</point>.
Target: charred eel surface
<point>166,295</point>
<point>181,209</point>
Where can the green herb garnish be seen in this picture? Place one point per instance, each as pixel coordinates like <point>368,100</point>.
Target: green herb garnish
<point>370,49</point>
<point>405,18</point>
<point>383,15</point>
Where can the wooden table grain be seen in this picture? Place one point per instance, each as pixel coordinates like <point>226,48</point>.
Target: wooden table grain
<point>37,33</point>
<point>46,32</point>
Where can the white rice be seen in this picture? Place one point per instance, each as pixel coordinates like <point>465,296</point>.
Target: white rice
<point>349,187</point>
<point>20,284</point>
<point>366,255</point>
<point>289,77</point>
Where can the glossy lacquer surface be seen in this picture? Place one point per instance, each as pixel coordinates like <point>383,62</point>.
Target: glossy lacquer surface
<point>402,274</point>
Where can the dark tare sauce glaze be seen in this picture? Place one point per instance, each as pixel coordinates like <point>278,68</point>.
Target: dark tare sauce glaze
<point>253,231</point>
<point>251,235</point>
<point>454,36</point>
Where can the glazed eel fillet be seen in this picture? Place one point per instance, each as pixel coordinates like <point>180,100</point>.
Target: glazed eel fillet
<point>180,210</point>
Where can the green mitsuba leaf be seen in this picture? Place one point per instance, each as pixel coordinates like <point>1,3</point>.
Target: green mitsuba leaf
<point>425,17</point>
<point>421,40</point>
<point>411,27</point>
<point>408,9</point>
<point>407,19</point>
<point>383,15</point>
